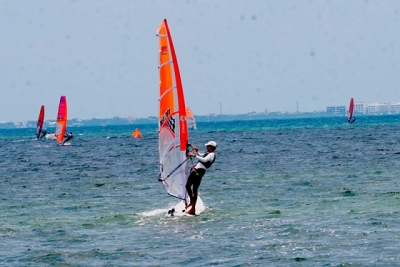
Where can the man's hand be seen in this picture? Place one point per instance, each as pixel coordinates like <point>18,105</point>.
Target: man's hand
<point>195,148</point>
<point>191,154</point>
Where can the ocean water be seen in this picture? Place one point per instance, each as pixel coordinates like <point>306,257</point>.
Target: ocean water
<point>283,192</point>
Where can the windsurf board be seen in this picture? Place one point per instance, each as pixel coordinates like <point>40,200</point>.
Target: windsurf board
<point>179,209</point>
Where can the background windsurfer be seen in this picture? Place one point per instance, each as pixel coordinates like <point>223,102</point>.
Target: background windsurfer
<point>352,120</point>
<point>69,137</point>
<point>44,132</point>
<point>205,161</point>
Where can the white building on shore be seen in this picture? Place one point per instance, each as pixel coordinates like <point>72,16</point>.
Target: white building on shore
<point>364,108</point>
<point>336,110</point>
<point>394,107</point>
<point>378,108</point>
<point>360,108</point>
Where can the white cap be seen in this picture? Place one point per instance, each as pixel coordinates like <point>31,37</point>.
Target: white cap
<point>212,143</point>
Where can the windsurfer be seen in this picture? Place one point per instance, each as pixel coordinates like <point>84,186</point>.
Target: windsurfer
<point>205,160</point>
<point>352,120</point>
<point>69,137</point>
<point>44,132</point>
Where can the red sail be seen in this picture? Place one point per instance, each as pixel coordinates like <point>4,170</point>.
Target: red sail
<point>351,109</point>
<point>40,121</point>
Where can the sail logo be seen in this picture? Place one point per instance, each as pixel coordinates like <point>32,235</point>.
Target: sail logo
<point>170,123</point>
<point>164,50</point>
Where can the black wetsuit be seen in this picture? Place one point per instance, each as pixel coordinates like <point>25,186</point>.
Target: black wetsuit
<point>68,138</point>
<point>194,179</point>
<point>205,162</point>
<point>43,134</point>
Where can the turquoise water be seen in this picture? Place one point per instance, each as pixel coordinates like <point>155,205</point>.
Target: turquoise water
<point>301,192</point>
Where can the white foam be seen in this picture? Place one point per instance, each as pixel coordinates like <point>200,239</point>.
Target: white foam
<point>153,212</point>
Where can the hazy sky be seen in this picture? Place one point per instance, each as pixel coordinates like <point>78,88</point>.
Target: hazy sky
<point>247,55</point>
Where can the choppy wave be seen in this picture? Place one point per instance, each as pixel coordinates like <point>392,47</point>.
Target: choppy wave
<point>282,192</point>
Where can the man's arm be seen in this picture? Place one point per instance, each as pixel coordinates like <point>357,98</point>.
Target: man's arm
<point>208,158</point>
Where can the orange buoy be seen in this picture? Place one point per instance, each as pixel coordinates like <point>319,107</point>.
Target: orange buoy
<point>137,134</point>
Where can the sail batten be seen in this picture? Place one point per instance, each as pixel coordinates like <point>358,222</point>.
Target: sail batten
<point>172,88</point>
<point>173,131</point>
<point>164,64</point>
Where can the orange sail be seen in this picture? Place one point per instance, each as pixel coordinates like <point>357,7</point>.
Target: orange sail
<point>39,125</point>
<point>173,131</point>
<point>61,119</point>
<point>137,134</point>
<point>189,113</point>
<point>190,119</point>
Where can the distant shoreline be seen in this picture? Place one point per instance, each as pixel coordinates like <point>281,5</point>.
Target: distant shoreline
<point>202,118</point>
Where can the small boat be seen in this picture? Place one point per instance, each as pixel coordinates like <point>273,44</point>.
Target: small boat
<point>190,119</point>
<point>40,121</point>
<point>137,134</point>
<point>61,125</point>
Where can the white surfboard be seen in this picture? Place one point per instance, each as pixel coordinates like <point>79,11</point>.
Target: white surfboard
<point>65,144</point>
<point>179,209</point>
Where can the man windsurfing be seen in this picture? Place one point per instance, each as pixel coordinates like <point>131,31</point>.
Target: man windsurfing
<point>69,137</point>
<point>44,132</point>
<point>205,160</point>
